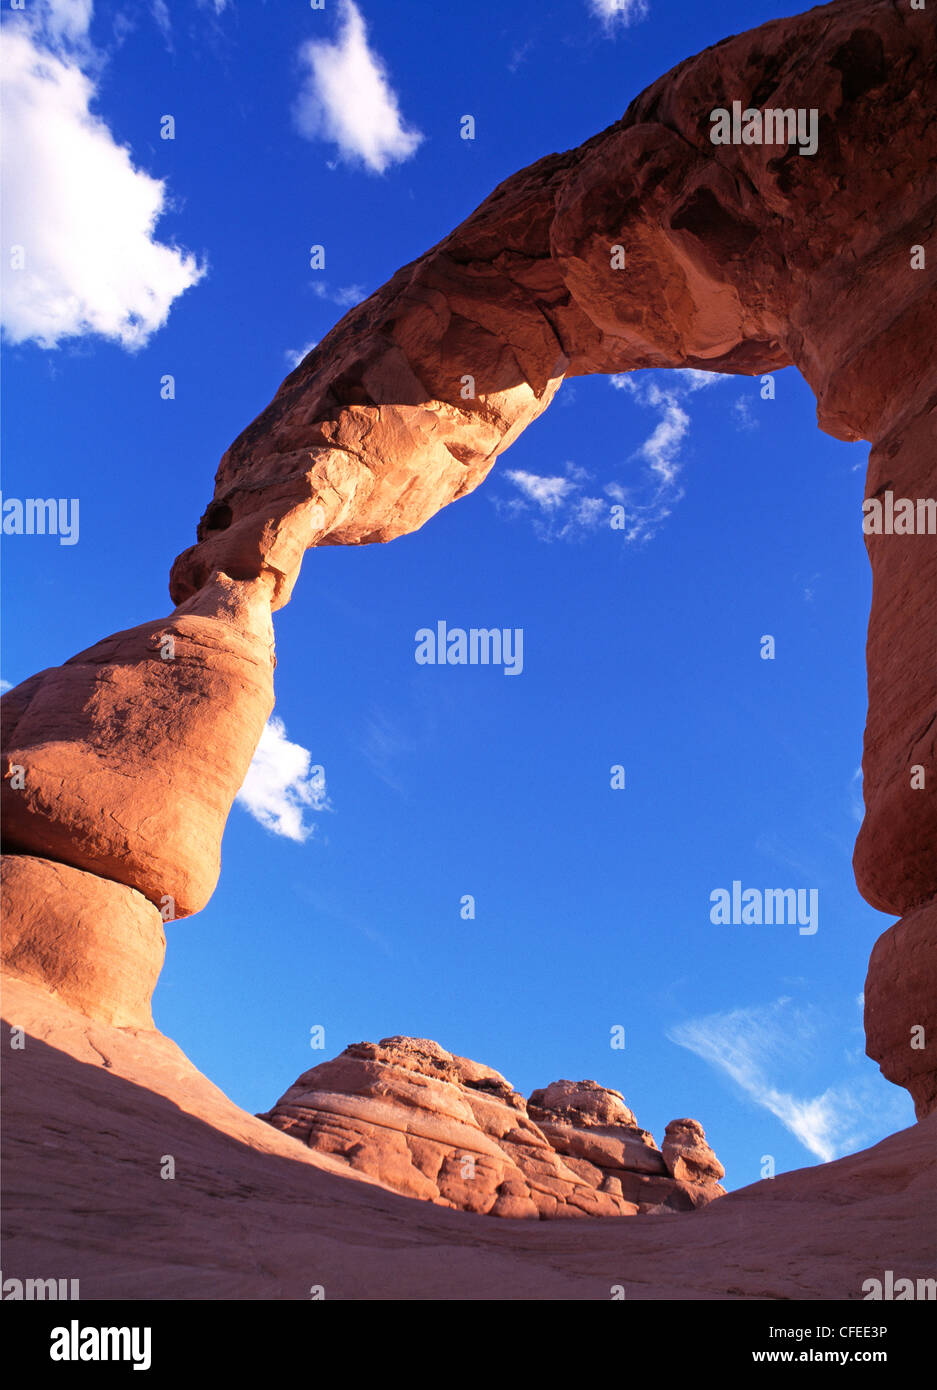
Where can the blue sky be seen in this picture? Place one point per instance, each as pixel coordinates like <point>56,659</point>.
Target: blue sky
<point>190,257</point>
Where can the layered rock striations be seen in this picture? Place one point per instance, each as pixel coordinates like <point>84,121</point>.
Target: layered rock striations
<point>648,246</point>
<point>97,944</point>
<point>426,1123</point>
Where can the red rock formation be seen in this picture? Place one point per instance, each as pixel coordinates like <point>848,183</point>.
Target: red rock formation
<point>133,751</point>
<point>687,1155</point>
<point>896,852</point>
<point>739,258</point>
<point>600,1140</point>
<point>899,1006</point>
<point>98,945</point>
<point>421,1121</point>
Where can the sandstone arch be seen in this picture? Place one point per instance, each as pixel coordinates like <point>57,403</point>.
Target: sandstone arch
<point>740,258</point>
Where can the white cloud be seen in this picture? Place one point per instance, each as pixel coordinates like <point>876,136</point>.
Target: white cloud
<point>281,784</point>
<point>856,798</point>
<point>662,448</point>
<point>695,380</point>
<point>83,215</point>
<point>5,686</point>
<point>346,98</point>
<point>563,508</point>
<point>682,379</point>
<point>160,11</point>
<point>386,740</point>
<point>295,355</point>
<point>744,419</point>
<point>345,296</point>
<point>624,12</point>
<point>547,493</point>
<point>519,54</point>
<point>559,505</point>
<point>650,501</point>
<point>755,1046</point>
<point>65,19</point>
<point>590,511</point>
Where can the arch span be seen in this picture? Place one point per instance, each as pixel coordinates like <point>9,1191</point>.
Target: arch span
<point>648,246</point>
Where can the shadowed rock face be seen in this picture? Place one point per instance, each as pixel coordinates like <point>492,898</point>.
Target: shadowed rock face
<point>738,258</point>
<point>900,991</point>
<point>426,1123</point>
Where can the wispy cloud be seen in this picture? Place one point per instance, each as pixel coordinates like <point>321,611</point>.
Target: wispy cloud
<point>559,506</point>
<point>82,215</point>
<point>281,785</point>
<point>661,450</point>
<point>742,411</point>
<point>809,585</point>
<point>791,856</point>
<point>384,742</point>
<point>345,295</point>
<point>618,12</point>
<point>346,98</point>
<point>856,800</point>
<point>548,493</point>
<point>565,506</point>
<point>295,355</point>
<point>65,19</point>
<point>5,686</point>
<point>160,12</point>
<point>519,54</point>
<point>650,500</point>
<point>758,1047</point>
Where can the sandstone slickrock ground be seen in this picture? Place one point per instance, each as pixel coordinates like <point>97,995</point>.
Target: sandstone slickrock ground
<point>91,1110</point>
<point>451,1131</point>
